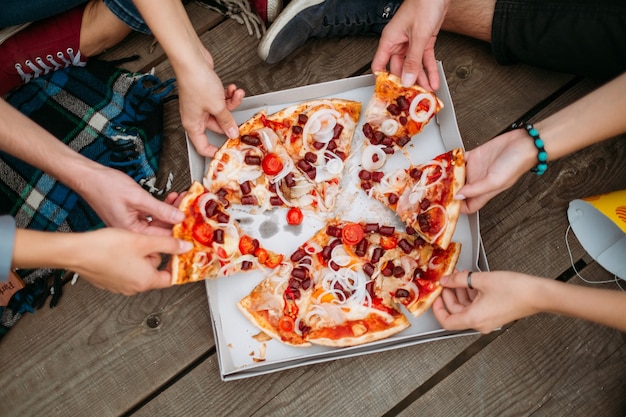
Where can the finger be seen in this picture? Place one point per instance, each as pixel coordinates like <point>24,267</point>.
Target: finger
<point>165,244</point>
<point>440,311</point>
<point>162,211</point>
<point>162,279</point>
<point>453,305</point>
<point>155,260</point>
<point>411,67</point>
<point>230,89</point>
<point>382,56</point>
<point>472,205</point>
<point>423,81</point>
<point>462,294</point>
<point>226,122</point>
<point>201,144</point>
<point>396,63</point>
<point>234,100</point>
<point>431,69</point>
<point>179,199</point>
<point>171,198</point>
<point>457,280</point>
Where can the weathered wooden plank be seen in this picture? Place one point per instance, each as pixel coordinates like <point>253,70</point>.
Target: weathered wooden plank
<point>347,386</point>
<point>95,351</point>
<point>541,365</point>
<point>489,97</point>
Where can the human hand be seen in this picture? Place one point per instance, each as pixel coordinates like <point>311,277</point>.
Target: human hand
<point>495,166</point>
<point>205,104</point>
<point>121,202</point>
<point>498,298</point>
<point>124,262</point>
<point>408,43</point>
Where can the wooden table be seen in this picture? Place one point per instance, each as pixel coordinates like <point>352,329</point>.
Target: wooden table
<point>100,354</point>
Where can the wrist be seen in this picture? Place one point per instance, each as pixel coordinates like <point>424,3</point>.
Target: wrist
<point>36,249</point>
<point>524,148</point>
<point>532,133</point>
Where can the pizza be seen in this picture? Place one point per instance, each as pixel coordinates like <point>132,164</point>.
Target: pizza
<point>422,195</point>
<point>220,248</point>
<point>395,114</point>
<point>344,286</point>
<point>352,282</point>
<point>292,158</point>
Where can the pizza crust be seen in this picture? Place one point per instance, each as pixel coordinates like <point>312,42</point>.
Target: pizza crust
<point>400,324</point>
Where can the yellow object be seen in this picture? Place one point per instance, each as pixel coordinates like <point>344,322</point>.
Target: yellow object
<point>612,205</point>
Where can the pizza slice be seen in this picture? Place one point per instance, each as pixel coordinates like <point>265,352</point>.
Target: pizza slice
<point>411,272</point>
<point>326,295</point>
<point>318,136</point>
<point>396,113</point>
<point>274,305</point>
<point>256,170</point>
<point>423,195</point>
<point>220,248</point>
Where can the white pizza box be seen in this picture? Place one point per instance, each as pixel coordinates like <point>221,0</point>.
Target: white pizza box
<point>599,223</point>
<point>240,355</point>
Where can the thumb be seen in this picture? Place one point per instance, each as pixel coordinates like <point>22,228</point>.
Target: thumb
<point>227,123</point>
<point>482,187</point>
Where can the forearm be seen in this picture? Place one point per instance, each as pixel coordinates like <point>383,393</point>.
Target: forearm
<point>606,307</point>
<point>171,26</point>
<point>593,118</point>
<point>35,249</point>
<point>29,142</point>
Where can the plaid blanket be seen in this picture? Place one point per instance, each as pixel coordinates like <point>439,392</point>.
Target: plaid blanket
<point>107,114</point>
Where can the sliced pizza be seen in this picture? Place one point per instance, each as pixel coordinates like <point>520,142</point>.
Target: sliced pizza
<point>274,305</point>
<point>410,273</point>
<point>423,195</point>
<point>318,136</point>
<point>344,285</point>
<point>396,113</point>
<point>220,248</point>
<point>256,170</point>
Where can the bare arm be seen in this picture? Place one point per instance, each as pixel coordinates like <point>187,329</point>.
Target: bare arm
<point>500,297</point>
<point>498,164</point>
<point>204,104</point>
<point>111,259</point>
<point>117,199</point>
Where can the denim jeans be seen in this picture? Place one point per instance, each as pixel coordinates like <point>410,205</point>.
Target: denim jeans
<point>16,12</point>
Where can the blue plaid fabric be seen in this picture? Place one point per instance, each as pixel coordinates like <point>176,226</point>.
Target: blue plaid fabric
<point>107,114</point>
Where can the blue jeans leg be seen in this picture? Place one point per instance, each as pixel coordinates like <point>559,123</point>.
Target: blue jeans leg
<point>17,12</point>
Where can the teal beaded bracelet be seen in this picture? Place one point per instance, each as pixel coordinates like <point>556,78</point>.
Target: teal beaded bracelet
<point>542,155</point>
